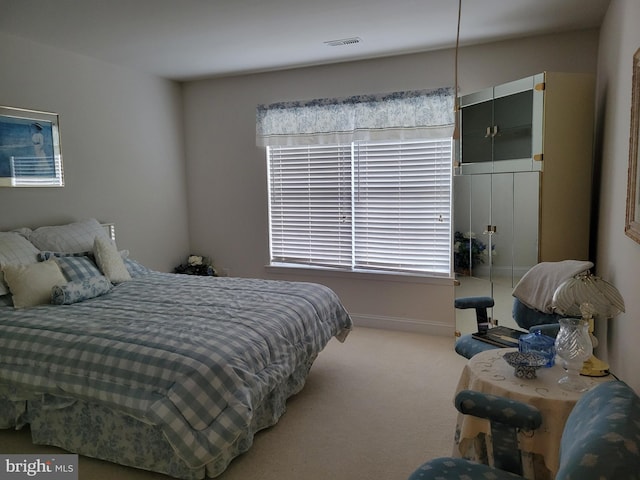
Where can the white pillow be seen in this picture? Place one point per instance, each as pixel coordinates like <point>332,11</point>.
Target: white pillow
<point>109,260</point>
<point>17,250</point>
<point>71,238</point>
<point>31,284</point>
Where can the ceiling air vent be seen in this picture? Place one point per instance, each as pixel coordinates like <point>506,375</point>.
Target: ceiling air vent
<point>344,41</point>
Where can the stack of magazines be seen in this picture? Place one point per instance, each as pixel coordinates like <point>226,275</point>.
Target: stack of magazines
<point>500,336</point>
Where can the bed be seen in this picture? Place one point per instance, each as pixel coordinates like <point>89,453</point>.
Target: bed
<point>164,372</point>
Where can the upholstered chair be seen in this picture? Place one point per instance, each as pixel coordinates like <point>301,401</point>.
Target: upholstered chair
<point>600,441</point>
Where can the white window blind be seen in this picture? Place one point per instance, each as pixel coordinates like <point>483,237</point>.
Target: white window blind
<point>310,205</point>
<point>362,206</point>
<point>402,206</point>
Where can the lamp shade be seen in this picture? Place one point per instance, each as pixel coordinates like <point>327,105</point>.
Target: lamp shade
<point>587,292</point>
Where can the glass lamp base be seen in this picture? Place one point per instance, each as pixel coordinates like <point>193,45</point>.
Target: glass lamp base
<point>573,345</point>
<point>573,383</point>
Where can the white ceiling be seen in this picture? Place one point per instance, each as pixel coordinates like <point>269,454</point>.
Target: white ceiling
<point>188,39</point>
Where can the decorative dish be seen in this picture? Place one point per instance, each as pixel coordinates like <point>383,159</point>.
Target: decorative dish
<point>525,363</point>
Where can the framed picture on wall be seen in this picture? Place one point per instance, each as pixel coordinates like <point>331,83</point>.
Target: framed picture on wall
<point>632,223</point>
<point>29,149</point>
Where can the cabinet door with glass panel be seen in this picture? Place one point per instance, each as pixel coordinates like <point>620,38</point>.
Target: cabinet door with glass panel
<point>501,128</point>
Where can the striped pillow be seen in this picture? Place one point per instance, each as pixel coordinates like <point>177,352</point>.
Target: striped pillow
<point>73,237</point>
<point>74,266</point>
<point>78,268</point>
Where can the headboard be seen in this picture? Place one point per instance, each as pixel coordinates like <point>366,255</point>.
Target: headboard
<point>111,230</point>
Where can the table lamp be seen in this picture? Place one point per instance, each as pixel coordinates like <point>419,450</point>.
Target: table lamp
<point>589,297</point>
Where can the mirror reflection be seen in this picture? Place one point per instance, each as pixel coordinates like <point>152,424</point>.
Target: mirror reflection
<point>496,225</point>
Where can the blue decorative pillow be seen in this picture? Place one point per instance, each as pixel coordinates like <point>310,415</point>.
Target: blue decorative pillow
<point>80,290</point>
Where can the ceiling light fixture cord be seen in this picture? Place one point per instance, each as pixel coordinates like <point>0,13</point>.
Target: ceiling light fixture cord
<point>456,128</point>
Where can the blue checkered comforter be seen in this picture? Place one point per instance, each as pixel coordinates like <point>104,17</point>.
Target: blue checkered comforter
<point>191,354</point>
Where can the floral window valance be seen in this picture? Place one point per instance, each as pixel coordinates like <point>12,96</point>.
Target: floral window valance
<point>409,115</point>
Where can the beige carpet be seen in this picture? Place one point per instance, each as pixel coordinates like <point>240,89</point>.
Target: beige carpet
<point>374,407</point>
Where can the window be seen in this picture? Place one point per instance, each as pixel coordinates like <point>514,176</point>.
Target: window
<point>346,193</point>
<point>362,206</point>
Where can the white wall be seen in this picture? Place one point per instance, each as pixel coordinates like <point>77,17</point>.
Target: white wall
<point>121,138</point>
<point>226,172</point>
<point>618,257</point>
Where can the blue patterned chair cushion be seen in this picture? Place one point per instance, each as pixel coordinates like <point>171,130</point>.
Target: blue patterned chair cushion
<point>601,438</point>
<point>498,409</point>
<point>80,290</point>
<point>459,469</point>
<point>468,346</point>
<point>474,302</point>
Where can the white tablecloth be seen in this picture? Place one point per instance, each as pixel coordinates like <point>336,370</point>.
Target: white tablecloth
<point>488,372</point>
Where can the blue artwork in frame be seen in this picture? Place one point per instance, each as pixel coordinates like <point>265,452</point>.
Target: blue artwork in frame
<point>29,149</point>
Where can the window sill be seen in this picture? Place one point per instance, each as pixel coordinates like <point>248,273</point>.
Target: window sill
<point>284,269</point>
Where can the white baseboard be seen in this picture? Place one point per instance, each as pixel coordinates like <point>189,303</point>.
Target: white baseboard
<point>403,324</point>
